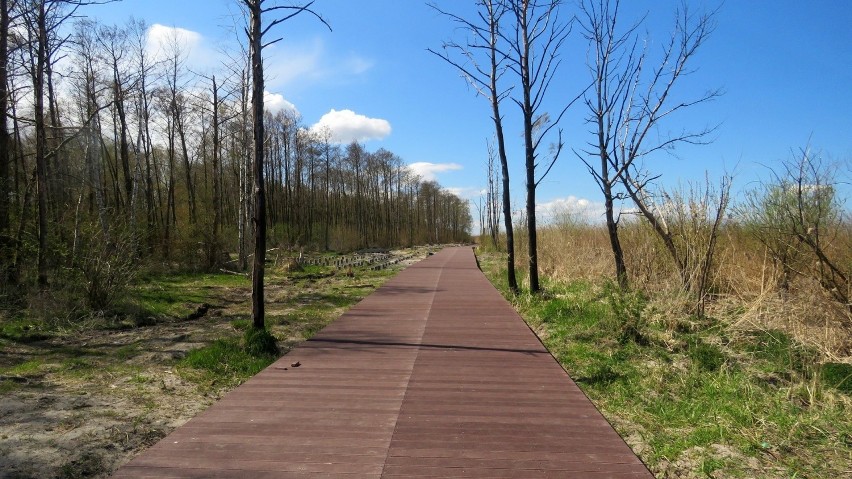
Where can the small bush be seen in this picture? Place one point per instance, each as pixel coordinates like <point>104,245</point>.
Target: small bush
<point>107,267</point>
<point>838,376</point>
<point>224,358</point>
<point>708,357</point>
<point>260,343</point>
<point>783,351</point>
<point>627,307</point>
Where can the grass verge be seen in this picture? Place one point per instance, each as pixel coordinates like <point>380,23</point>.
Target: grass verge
<point>693,397</point>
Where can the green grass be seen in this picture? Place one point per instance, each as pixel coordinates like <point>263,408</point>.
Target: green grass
<point>838,376</point>
<point>23,330</point>
<point>26,368</point>
<point>241,324</point>
<point>177,295</point>
<point>224,363</point>
<point>694,397</point>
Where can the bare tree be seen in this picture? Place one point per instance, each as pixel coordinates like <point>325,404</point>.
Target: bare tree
<point>90,90</point>
<point>484,77</point>
<point>37,20</point>
<point>144,67</point>
<point>492,201</point>
<point>6,250</point>
<point>256,32</point>
<point>533,55</point>
<point>626,109</point>
<point>114,45</point>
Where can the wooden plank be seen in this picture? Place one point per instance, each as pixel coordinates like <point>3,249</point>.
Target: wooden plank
<point>433,375</point>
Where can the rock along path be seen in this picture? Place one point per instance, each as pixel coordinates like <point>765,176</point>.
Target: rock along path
<point>433,375</point>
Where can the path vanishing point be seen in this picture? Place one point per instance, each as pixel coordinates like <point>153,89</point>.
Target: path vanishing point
<point>432,375</point>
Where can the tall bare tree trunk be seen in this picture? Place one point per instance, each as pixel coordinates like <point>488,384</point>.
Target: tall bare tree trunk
<point>187,165</point>
<point>6,276</point>
<point>41,139</point>
<point>259,220</point>
<point>217,201</point>
<point>493,27</point>
<point>486,37</point>
<point>529,149</point>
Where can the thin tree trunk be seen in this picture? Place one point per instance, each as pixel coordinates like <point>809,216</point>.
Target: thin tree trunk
<point>124,148</point>
<point>614,241</point>
<point>6,276</point>
<point>257,301</point>
<point>217,202</point>
<point>41,141</point>
<point>501,150</point>
<point>190,188</point>
<point>529,150</point>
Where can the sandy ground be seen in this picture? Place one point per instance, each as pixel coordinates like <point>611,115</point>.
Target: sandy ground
<point>86,423</point>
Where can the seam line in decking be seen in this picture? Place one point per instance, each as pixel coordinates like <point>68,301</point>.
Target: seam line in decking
<point>411,371</point>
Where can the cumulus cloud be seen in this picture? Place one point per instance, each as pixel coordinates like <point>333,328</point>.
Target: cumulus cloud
<point>275,102</point>
<point>162,41</point>
<point>346,126</point>
<point>466,192</point>
<point>429,171</point>
<point>571,209</point>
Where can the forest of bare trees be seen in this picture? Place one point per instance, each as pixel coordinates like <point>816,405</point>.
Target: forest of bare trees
<point>110,155</point>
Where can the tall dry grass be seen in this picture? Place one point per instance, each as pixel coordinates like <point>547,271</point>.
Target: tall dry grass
<point>744,281</point>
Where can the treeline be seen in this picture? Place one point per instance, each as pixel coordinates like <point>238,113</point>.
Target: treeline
<point>111,154</point>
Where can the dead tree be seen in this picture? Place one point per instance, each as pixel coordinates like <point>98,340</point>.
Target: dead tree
<point>627,106</point>
<point>256,32</point>
<point>533,46</point>
<point>6,250</point>
<point>484,77</point>
<point>114,45</point>
<point>492,202</point>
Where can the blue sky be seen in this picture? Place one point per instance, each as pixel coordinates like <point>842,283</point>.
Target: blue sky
<point>785,67</point>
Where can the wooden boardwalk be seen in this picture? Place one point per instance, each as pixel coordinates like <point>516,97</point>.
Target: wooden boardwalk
<point>433,375</point>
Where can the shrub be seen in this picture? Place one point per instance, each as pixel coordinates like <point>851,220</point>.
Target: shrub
<point>708,357</point>
<point>627,306</point>
<point>838,376</point>
<point>260,342</point>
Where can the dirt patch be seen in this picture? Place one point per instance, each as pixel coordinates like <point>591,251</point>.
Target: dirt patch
<point>97,398</point>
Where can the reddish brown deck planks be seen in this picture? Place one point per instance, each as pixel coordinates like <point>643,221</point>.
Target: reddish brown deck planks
<point>433,375</point>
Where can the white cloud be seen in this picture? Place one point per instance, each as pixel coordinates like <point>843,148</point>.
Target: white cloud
<point>287,63</point>
<point>275,102</point>
<point>466,192</point>
<point>307,63</point>
<point>162,41</point>
<point>347,126</point>
<point>429,171</point>
<point>569,208</point>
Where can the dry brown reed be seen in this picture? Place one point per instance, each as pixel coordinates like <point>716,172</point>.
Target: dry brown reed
<point>744,293</point>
